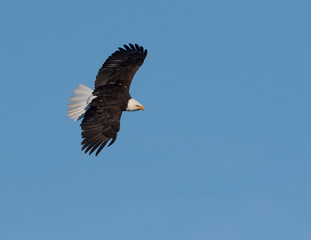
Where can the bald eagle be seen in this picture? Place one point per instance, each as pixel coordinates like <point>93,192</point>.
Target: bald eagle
<point>102,108</point>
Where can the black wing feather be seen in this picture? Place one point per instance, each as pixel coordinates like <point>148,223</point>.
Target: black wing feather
<point>94,148</point>
<point>101,123</point>
<point>127,47</point>
<point>101,147</point>
<point>121,66</point>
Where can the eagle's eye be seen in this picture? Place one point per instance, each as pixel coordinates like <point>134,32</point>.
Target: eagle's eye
<point>140,107</point>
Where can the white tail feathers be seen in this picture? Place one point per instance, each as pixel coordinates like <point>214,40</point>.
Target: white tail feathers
<point>80,102</point>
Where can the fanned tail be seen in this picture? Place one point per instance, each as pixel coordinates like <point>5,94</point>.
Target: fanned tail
<point>80,102</point>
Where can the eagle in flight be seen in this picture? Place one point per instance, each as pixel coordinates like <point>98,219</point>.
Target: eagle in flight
<point>102,108</point>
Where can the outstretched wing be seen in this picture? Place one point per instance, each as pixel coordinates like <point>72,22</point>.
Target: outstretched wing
<point>121,66</point>
<point>100,124</point>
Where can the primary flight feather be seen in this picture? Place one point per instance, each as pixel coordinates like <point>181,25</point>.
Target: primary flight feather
<point>102,108</point>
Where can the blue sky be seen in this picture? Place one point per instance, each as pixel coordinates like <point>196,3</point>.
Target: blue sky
<point>222,151</point>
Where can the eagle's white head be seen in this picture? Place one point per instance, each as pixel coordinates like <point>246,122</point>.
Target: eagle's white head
<point>133,105</point>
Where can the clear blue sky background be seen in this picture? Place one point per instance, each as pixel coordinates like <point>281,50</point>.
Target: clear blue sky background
<point>222,151</point>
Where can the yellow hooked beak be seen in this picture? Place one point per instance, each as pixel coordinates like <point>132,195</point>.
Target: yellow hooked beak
<point>141,107</point>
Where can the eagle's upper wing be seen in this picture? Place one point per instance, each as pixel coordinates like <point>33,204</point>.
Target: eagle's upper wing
<point>100,124</point>
<point>121,66</point>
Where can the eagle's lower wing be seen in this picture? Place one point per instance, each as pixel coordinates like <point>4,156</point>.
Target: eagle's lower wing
<point>121,66</point>
<point>98,127</point>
